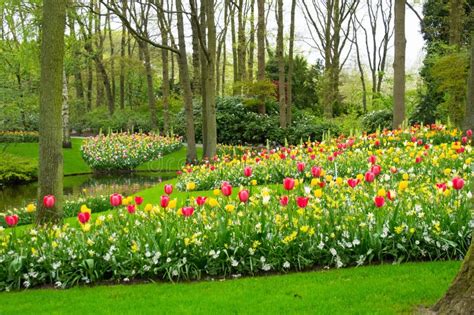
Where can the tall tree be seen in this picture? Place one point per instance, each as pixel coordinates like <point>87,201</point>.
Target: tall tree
<point>251,41</point>
<point>50,173</point>
<point>289,98</point>
<point>281,64</point>
<point>261,47</point>
<point>123,39</point>
<point>469,118</point>
<point>399,65</point>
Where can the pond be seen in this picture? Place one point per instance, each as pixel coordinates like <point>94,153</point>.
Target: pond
<point>79,185</point>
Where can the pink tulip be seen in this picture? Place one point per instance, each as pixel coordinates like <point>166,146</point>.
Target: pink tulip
<point>115,200</point>
<point>187,211</point>
<point>165,200</point>
<point>248,171</point>
<point>168,189</point>
<point>288,183</point>
<point>83,217</point>
<point>302,202</point>
<point>376,169</point>
<point>11,220</point>
<point>458,183</point>
<point>316,171</point>
<point>49,201</point>
<point>200,200</point>
<point>244,195</point>
<point>369,177</point>
<point>226,189</point>
<point>138,200</point>
<point>372,159</point>
<point>469,133</point>
<point>353,182</point>
<point>131,208</point>
<point>300,166</point>
<point>284,200</point>
<point>379,201</point>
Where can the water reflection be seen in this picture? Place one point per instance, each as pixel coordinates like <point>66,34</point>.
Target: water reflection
<point>90,185</point>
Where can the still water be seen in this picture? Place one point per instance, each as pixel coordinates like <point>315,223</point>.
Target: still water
<point>84,185</point>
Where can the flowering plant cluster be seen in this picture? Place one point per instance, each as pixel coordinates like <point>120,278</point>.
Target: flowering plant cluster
<point>417,149</point>
<point>125,151</point>
<point>19,136</point>
<point>383,204</point>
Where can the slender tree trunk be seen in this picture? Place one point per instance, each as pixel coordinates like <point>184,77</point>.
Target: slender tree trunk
<point>122,57</point>
<point>186,85</point>
<point>112,62</point>
<point>281,64</point>
<point>98,57</point>
<point>77,56</point>
<point>65,115</point>
<point>211,148</point>
<point>261,48</point>
<point>90,78</point>
<point>399,65</point>
<point>289,98</point>
<point>220,52</point>
<point>166,83</point>
<point>241,43</point>
<point>50,175</point>
<point>196,83</point>
<point>251,41</point>
<point>361,72</point>
<point>469,118</point>
<point>149,80</point>
<point>235,59</point>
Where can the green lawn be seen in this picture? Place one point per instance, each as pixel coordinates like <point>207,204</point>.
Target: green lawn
<point>385,289</point>
<point>74,164</point>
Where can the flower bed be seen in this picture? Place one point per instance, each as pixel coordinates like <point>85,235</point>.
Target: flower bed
<point>389,205</point>
<point>125,151</point>
<point>18,136</point>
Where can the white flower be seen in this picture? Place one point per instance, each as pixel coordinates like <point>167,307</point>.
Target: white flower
<point>321,245</point>
<point>333,251</point>
<point>286,265</point>
<point>26,284</point>
<point>175,273</point>
<point>356,242</point>
<point>266,267</point>
<point>58,284</point>
<point>168,260</point>
<point>56,265</point>
<point>307,190</point>
<point>234,262</point>
<point>263,260</point>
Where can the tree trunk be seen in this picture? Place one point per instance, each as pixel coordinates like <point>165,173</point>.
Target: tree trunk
<point>90,78</point>
<point>399,65</point>
<point>251,41</point>
<point>281,64</point>
<point>77,56</point>
<point>99,100</point>
<point>112,62</point>
<point>289,99</point>
<point>65,115</point>
<point>196,83</point>
<point>261,48</point>
<point>235,59</point>
<point>211,148</point>
<point>166,83</point>
<point>149,81</point>
<point>241,43</point>
<point>50,175</point>
<point>122,57</point>
<point>186,86</point>
<point>204,77</point>
<point>456,12</point>
<point>460,296</point>
<point>469,118</point>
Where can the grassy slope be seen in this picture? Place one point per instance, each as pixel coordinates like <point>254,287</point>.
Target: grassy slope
<point>74,164</point>
<point>382,289</point>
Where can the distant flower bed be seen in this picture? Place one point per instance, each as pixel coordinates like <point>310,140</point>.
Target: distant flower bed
<point>125,151</point>
<point>16,169</point>
<point>19,136</point>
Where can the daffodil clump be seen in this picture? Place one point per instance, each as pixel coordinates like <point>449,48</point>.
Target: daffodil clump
<point>371,203</point>
<point>125,151</point>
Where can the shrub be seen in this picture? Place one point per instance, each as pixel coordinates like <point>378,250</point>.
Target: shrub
<point>125,151</point>
<point>381,119</point>
<point>19,136</point>
<point>15,169</point>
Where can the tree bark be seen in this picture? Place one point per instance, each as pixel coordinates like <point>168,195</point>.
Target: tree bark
<point>186,85</point>
<point>166,83</point>
<point>289,99</point>
<point>122,57</point>
<point>456,12</point>
<point>251,41</point>
<point>281,64</point>
<point>65,115</point>
<point>211,148</point>
<point>77,56</point>
<point>112,53</point>
<point>261,48</point>
<point>196,83</point>
<point>399,65</point>
<point>50,175</point>
<point>149,81</point>
<point>469,118</point>
<point>241,43</point>
<point>235,58</point>
<point>460,296</point>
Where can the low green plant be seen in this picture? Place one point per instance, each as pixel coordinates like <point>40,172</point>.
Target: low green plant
<point>15,169</point>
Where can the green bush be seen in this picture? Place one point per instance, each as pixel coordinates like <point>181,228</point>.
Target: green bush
<point>381,119</point>
<point>18,136</point>
<point>15,169</point>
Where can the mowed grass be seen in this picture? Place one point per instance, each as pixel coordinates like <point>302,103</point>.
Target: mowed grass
<point>74,164</point>
<point>384,289</point>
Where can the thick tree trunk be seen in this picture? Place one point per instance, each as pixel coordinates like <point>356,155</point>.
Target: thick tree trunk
<point>65,115</point>
<point>460,296</point>
<point>50,175</point>
<point>186,86</point>
<point>399,65</point>
<point>456,12</point>
<point>261,48</point>
<point>469,118</point>
<point>281,64</point>
<point>149,81</point>
<point>289,98</point>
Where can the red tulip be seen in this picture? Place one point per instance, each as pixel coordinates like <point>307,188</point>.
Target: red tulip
<point>391,195</point>
<point>226,189</point>
<point>302,202</point>
<point>418,159</point>
<point>377,143</point>
<point>288,183</point>
<point>187,211</point>
<point>131,208</point>
<point>413,139</point>
<point>115,200</point>
<point>379,201</point>
<point>83,217</point>
<point>11,220</point>
<point>284,200</point>
<point>458,183</point>
<point>464,140</point>
<point>372,159</point>
<point>138,200</point>
<point>49,201</point>
<point>469,133</point>
<point>244,195</point>
<point>200,200</point>
<point>393,169</point>
<point>316,171</point>
<point>420,142</point>
<point>300,166</point>
<point>442,186</point>
<point>168,189</point>
<point>165,200</point>
<point>353,182</point>
<point>248,171</point>
<point>369,177</point>
<point>376,169</point>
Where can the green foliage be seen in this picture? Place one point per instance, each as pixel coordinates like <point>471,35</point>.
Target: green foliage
<point>258,92</point>
<point>15,169</point>
<point>379,119</point>
<point>18,136</point>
